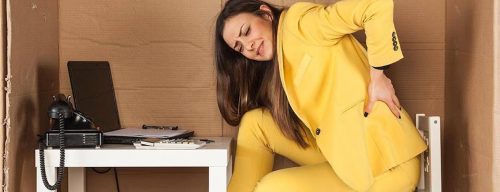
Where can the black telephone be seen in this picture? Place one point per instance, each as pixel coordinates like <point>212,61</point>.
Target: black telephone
<point>68,128</point>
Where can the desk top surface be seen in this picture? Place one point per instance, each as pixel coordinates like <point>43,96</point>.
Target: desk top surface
<point>223,143</point>
<point>213,154</point>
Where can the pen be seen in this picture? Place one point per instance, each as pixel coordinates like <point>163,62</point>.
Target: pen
<point>169,127</point>
<point>207,140</point>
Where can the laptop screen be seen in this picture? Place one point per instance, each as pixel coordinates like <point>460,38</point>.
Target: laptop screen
<point>93,92</point>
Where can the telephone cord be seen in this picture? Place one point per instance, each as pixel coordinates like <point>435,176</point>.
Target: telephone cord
<point>116,180</point>
<point>115,173</point>
<point>60,170</point>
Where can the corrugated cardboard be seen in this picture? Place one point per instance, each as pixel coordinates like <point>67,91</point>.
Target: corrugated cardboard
<point>496,96</point>
<point>153,179</point>
<point>32,77</point>
<point>161,55</point>
<point>467,149</point>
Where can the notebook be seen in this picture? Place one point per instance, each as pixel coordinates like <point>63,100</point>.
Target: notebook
<point>94,95</point>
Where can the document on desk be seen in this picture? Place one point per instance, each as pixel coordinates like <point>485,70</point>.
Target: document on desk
<point>150,133</point>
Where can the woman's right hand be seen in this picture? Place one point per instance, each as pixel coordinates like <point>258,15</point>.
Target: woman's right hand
<point>381,89</point>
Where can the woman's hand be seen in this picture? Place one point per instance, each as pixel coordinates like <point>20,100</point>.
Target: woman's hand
<point>380,88</point>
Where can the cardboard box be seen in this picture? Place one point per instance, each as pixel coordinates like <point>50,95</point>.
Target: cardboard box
<point>161,57</point>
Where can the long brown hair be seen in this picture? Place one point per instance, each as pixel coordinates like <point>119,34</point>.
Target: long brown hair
<point>244,84</point>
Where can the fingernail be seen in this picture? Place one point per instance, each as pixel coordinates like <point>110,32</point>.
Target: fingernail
<point>366,114</point>
<point>400,117</point>
<point>400,108</point>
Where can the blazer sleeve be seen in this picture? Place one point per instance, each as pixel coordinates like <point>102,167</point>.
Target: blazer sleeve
<point>326,25</point>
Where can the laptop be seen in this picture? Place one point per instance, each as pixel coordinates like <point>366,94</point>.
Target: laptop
<point>94,95</point>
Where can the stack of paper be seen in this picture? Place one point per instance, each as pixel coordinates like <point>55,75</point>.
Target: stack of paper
<point>155,143</point>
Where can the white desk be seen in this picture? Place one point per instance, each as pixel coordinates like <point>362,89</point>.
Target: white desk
<point>216,156</point>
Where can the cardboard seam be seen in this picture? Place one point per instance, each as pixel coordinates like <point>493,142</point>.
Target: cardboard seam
<point>3,71</point>
<point>144,44</point>
<point>8,90</point>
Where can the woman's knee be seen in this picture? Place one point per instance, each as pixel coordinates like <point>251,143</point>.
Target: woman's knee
<point>274,181</point>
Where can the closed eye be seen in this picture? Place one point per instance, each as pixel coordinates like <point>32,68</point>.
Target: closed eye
<point>238,47</point>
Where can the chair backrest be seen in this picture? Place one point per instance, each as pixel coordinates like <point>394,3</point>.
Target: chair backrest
<point>430,174</point>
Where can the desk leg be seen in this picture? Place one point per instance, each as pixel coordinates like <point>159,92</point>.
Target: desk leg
<point>217,178</point>
<point>76,179</point>
<point>51,178</point>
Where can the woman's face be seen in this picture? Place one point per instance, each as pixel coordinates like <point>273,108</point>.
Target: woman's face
<point>251,35</point>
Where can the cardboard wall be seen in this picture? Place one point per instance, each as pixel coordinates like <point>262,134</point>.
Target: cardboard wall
<point>160,57</point>
<point>468,135</point>
<point>31,79</point>
<point>496,97</point>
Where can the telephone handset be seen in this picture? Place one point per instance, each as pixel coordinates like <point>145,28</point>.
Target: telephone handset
<point>73,119</point>
<point>69,128</point>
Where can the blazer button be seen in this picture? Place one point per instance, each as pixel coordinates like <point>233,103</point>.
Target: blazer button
<point>318,131</point>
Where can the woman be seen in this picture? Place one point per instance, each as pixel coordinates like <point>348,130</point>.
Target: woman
<point>299,84</point>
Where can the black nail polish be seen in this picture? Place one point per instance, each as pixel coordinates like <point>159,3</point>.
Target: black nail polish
<point>400,117</point>
<point>366,114</point>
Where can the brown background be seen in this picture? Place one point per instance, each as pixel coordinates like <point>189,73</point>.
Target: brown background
<point>468,145</point>
<point>161,58</point>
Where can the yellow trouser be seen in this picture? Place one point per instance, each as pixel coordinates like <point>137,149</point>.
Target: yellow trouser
<point>259,138</point>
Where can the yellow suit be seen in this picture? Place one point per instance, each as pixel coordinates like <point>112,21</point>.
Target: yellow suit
<point>325,73</point>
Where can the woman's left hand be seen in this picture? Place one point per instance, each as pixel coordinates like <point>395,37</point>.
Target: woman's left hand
<point>380,88</point>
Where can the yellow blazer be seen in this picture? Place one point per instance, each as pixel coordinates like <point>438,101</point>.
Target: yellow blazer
<point>325,73</point>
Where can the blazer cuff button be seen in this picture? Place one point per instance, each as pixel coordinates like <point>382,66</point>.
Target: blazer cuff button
<point>318,131</point>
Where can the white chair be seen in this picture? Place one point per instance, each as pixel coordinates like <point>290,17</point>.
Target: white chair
<point>430,175</point>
